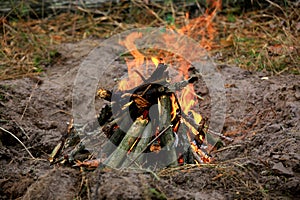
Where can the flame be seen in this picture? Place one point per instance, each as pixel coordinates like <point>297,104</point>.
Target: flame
<point>201,29</point>
<point>133,78</point>
<point>155,61</point>
<point>175,107</point>
<point>138,65</point>
<point>175,128</point>
<point>204,157</point>
<point>187,99</point>
<point>133,145</point>
<point>203,26</point>
<point>197,117</point>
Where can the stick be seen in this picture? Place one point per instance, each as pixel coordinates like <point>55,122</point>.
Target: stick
<point>180,85</point>
<point>140,147</point>
<point>144,141</point>
<point>119,154</point>
<point>196,126</point>
<point>167,139</point>
<point>118,135</point>
<point>196,156</point>
<point>188,155</point>
<point>162,132</point>
<point>18,141</point>
<point>193,148</point>
<point>55,151</point>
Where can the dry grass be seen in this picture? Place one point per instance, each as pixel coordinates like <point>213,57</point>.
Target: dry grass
<point>260,40</point>
<point>234,176</point>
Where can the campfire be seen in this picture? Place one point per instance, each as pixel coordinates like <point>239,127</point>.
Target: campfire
<point>151,129</point>
<point>150,120</point>
<point>158,124</point>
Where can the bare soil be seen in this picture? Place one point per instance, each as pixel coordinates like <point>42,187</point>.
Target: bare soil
<point>262,163</point>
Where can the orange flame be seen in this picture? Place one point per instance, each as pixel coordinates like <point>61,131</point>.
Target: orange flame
<point>204,158</point>
<point>174,106</point>
<point>133,78</point>
<point>187,99</point>
<point>201,29</point>
<point>197,117</point>
<point>203,26</point>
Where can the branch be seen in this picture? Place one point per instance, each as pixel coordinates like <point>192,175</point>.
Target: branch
<point>196,126</point>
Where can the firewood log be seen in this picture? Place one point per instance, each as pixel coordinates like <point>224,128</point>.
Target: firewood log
<point>137,154</point>
<point>186,150</point>
<point>116,158</point>
<point>167,139</point>
<point>118,134</point>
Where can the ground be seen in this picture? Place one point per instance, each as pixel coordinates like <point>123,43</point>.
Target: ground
<point>262,162</point>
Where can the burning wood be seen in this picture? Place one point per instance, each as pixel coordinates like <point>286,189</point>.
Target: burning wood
<point>154,134</point>
<point>128,142</point>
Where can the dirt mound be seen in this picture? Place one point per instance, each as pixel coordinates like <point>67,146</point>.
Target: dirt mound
<point>263,115</point>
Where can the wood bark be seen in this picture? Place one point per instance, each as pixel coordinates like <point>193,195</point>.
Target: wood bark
<point>188,157</point>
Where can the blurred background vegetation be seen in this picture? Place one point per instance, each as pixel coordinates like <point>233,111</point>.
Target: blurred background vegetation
<point>254,35</point>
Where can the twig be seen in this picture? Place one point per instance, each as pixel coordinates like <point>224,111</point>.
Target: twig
<point>225,148</point>
<point>150,11</point>
<point>196,156</point>
<point>220,135</point>
<point>277,6</point>
<point>195,125</point>
<point>18,141</point>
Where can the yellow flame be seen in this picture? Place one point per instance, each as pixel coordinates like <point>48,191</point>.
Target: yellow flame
<point>155,61</point>
<point>187,99</point>
<point>197,117</point>
<point>174,106</point>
